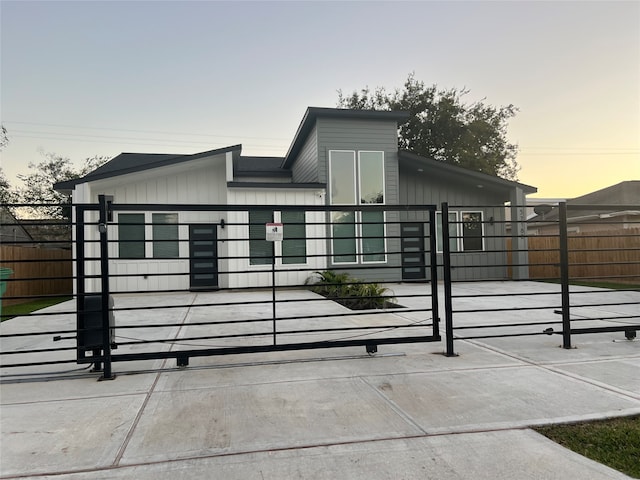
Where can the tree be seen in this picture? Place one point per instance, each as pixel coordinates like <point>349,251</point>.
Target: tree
<point>444,128</point>
<point>7,195</point>
<point>38,185</point>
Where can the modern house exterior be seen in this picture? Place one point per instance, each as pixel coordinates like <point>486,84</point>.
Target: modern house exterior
<point>339,160</point>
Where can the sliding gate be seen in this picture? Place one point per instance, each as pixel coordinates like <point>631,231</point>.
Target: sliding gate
<point>181,282</point>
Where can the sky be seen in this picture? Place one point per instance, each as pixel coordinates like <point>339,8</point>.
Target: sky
<point>88,78</point>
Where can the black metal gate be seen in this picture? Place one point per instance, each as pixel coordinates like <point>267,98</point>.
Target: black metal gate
<point>337,305</point>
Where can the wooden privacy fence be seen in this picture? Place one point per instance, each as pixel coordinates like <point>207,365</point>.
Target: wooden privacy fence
<point>611,255</point>
<point>36,272</point>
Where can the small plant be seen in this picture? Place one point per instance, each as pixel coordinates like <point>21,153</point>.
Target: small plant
<point>349,291</point>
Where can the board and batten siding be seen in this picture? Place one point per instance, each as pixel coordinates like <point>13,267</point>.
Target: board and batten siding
<point>419,188</point>
<point>201,181</point>
<point>242,273</point>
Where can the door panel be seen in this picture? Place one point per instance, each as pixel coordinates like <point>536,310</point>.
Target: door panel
<point>412,245</point>
<point>203,256</point>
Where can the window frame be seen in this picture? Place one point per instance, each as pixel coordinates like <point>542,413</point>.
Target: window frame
<point>357,200</point>
<point>462,230</point>
<point>153,240</point>
<point>277,247</point>
<point>456,238</point>
<point>131,242</point>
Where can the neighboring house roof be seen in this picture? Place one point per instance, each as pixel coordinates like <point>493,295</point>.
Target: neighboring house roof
<point>136,162</point>
<point>11,229</point>
<point>259,167</point>
<point>313,113</point>
<point>622,198</point>
<point>459,174</point>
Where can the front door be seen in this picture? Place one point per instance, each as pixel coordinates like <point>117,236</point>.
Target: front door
<point>412,245</point>
<point>203,257</point>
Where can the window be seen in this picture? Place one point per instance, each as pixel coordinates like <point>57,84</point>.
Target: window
<point>453,232</point>
<point>357,185</point>
<point>131,235</point>
<point>465,232</point>
<point>292,249</point>
<point>472,235</point>
<point>260,251</point>
<point>165,235</point>
<point>294,244</point>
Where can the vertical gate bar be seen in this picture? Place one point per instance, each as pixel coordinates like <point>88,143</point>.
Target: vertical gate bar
<point>273,290</point>
<point>564,276</point>
<point>446,265</point>
<point>433,256</point>
<point>79,239</point>
<point>104,287</point>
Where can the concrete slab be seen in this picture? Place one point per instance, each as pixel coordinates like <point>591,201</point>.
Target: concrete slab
<point>485,399</point>
<point>504,455</point>
<point>186,423</point>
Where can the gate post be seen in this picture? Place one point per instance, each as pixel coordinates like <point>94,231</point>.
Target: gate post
<point>446,265</point>
<point>433,256</point>
<point>564,275</point>
<point>104,290</point>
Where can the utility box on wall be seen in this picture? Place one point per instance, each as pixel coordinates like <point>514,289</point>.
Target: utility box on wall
<point>90,322</point>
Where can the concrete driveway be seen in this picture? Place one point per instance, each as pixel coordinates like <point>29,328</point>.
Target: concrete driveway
<point>408,412</point>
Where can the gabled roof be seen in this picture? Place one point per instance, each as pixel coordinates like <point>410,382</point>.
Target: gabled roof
<point>622,197</point>
<point>137,162</point>
<point>460,174</point>
<point>313,113</point>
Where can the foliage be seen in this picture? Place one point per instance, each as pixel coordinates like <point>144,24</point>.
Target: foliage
<point>444,128</point>
<point>349,291</point>
<point>614,442</point>
<point>7,194</point>
<point>38,185</point>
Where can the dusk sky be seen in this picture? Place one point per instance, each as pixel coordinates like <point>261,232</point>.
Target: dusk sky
<point>98,78</point>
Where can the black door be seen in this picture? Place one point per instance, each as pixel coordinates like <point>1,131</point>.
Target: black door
<point>203,256</point>
<point>412,244</point>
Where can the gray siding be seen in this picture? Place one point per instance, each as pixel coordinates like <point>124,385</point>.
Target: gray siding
<point>373,135</point>
<point>305,166</point>
<point>422,189</point>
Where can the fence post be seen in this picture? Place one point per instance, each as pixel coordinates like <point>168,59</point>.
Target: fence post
<point>564,275</point>
<point>446,265</point>
<point>104,284</point>
<point>433,256</point>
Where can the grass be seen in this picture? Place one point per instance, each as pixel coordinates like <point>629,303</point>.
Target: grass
<point>614,442</point>
<point>25,308</point>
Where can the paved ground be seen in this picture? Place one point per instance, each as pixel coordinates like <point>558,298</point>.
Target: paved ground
<point>407,413</point>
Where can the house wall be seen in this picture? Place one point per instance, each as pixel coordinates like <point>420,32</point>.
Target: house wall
<point>372,135</point>
<point>305,167</point>
<point>419,188</point>
<point>242,274</point>
<point>200,182</point>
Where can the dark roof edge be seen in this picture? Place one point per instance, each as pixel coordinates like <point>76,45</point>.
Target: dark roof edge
<point>276,185</point>
<point>70,184</point>
<point>313,113</point>
<point>470,173</point>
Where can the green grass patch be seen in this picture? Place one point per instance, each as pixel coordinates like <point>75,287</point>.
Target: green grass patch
<point>614,442</point>
<point>29,307</point>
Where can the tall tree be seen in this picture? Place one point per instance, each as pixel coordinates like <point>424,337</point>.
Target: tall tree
<point>443,127</point>
<point>7,194</point>
<point>38,184</point>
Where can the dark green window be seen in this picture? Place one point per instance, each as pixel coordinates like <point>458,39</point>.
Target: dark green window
<point>294,244</point>
<point>165,235</point>
<point>131,235</point>
<point>260,250</point>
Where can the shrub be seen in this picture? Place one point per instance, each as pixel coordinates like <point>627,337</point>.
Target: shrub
<point>349,291</point>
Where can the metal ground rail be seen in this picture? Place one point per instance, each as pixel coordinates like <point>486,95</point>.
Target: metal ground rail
<point>142,291</point>
<point>588,263</point>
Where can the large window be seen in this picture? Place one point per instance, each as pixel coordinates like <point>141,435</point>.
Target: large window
<point>131,235</point>
<point>165,235</point>
<point>260,251</point>
<point>294,244</point>
<point>357,183</point>
<point>292,249</point>
<point>465,232</point>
